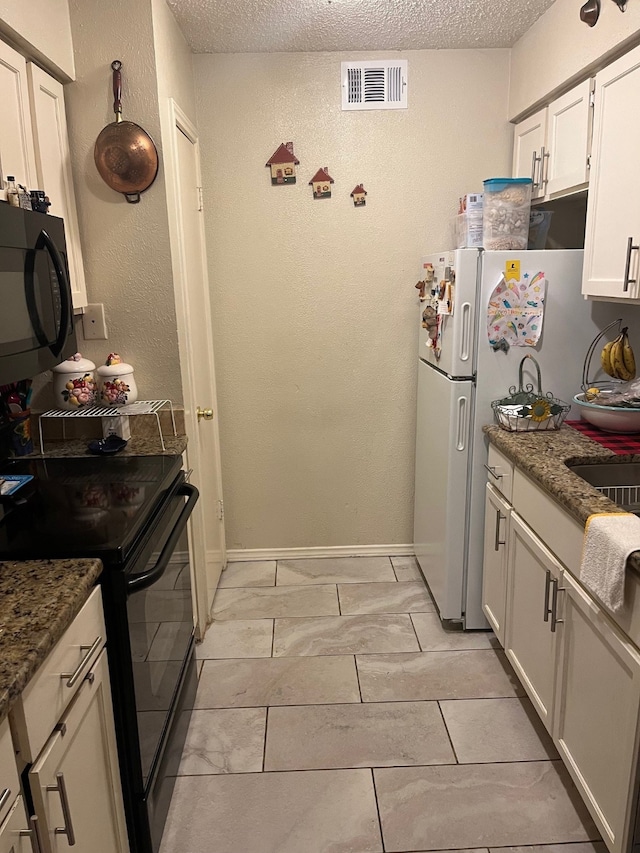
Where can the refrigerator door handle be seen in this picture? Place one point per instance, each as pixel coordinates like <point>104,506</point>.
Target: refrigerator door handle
<point>461,427</point>
<point>465,343</point>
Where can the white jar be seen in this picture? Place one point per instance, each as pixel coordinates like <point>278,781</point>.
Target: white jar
<point>117,383</point>
<point>74,383</point>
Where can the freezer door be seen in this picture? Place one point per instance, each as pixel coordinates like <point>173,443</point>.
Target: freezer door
<point>442,457</point>
<point>456,336</point>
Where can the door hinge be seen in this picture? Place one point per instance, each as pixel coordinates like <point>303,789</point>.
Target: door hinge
<point>588,161</point>
<point>200,199</point>
<point>221,510</point>
<point>592,98</point>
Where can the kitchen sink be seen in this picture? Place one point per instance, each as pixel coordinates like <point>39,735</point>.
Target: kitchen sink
<point>619,482</point>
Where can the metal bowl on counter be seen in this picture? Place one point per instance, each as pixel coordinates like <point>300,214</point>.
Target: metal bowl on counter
<point>608,418</point>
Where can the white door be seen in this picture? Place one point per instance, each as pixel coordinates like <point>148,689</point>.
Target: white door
<point>196,357</point>
<point>529,150</point>
<point>15,831</point>
<point>442,457</point>
<point>454,354</point>
<point>613,214</point>
<point>596,719</point>
<point>16,138</point>
<point>532,571</point>
<point>568,138</point>
<point>75,781</point>
<point>53,165</point>
<point>494,575</point>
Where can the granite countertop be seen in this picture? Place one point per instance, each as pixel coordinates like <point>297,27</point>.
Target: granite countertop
<point>136,446</point>
<point>38,601</point>
<point>544,456</point>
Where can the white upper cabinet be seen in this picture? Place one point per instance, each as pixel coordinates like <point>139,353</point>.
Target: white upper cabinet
<point>528,150</point>
<point>552,146</point>
<point>53,165</point>
<point>613,214</point>
<point>16,138</point>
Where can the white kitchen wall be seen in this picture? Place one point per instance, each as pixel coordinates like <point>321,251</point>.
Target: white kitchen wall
<point>559,47</point>
<point>126,246</point>
<point>315,313</point>
<point>43,30</point>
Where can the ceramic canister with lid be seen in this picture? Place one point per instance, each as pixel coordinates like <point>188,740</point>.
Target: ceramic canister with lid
<point>117,383</point>
<point>74,383</point>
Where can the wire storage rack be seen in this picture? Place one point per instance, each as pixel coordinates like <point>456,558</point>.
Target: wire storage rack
<point>141,407</point>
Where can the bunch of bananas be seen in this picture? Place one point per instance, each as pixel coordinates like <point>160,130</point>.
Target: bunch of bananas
<point>617,358</point>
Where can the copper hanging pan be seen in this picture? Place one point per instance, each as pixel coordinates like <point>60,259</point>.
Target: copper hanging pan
<point>125,154</point>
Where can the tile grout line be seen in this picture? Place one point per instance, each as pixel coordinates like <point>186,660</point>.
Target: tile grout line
<point>355,664</point>
<point>446,728</point>
<point>410,615</point>
<point>340,613</point>
<point>273,637</point>
<point>264,745</point>
<point>375,795</point>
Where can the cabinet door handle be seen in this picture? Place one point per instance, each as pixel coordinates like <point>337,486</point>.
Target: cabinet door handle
<point>33,834</point>
<point>544,168</point>
<point>67,829</point>
<point>493,472</point>
<point>534,161</point>
<point>498,542</point>
<point>75,675</point>
<point>627,266</point>
<point>547,589</point>
<point>554,605</point>
<point>4,797</point>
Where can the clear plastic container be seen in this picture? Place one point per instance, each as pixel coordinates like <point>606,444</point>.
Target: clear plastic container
<point>507,205</point>
<point>468,228</point>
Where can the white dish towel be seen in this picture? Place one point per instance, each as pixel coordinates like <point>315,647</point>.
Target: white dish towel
<point>609,539</point>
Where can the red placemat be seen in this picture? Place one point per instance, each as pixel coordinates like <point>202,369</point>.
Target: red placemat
<point>618,442</point>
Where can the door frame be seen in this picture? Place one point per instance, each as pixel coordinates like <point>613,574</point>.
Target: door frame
<point>189,363</point>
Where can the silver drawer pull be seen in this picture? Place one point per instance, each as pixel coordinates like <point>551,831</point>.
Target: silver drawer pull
<point>554,605</point>
<point>33,834</point>
<point>75,675</point>
<point>4,797</point>
<point>498,541</point>
<point>493,472</point>
<point>627,267</point>
<point>67,829</point>
<point>547,590</point>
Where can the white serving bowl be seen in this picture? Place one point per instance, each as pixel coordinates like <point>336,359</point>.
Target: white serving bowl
<point>608,418</point>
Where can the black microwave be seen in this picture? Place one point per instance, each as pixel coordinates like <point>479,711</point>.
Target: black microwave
<point>36,312</point>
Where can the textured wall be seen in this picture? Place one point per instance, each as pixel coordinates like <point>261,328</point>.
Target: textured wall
<point>43,30</point>
<point>126,248</point>
<point>315,314</point>
<point>559,47</point>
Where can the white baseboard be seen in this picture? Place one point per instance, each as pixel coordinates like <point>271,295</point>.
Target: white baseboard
<point>331,551</point>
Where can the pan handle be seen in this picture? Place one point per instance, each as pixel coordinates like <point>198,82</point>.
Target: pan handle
<point>116,65</point>
<point>132,198</point>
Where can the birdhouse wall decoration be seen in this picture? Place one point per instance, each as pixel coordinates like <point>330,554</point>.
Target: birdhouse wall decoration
<point>321,183</point>
<point>283,164</point>
<point>358,195</point>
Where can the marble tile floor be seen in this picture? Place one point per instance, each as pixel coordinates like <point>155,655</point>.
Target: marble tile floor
<point>335,715</point>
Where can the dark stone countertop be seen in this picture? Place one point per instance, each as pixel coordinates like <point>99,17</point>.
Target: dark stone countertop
<point>136,446</point>
<point>38,601</point>
<point>543,456</point>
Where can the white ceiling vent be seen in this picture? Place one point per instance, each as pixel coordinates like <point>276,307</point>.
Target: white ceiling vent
<point>374,84</point>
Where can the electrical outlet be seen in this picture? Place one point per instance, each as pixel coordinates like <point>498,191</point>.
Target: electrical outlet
<point>94,326</point>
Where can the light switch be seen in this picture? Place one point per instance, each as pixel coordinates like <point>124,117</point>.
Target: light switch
<point>94,325</point>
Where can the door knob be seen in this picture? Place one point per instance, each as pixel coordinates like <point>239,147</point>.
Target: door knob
<point>207,414</point>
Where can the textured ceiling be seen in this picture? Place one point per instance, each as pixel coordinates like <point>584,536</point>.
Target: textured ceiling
<point>266,26</point>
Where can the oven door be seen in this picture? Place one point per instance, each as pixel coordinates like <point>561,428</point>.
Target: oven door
<point>161,626</point>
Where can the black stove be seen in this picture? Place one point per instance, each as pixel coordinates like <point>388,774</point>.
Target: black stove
<point>83,507</point>
<point>130,512</point>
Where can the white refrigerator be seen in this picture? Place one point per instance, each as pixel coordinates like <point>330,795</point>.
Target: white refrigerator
<point>456,385</point>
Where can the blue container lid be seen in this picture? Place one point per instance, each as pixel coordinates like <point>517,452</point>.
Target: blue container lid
<point>497,184</point>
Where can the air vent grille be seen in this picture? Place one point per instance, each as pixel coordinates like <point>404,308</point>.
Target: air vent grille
<point>374,85</point>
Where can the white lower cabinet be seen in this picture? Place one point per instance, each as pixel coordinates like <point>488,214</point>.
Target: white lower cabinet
<point>530,643</point>
<point>15,834</point>
<point>75,782</point>
<point>494,575</point>
<point>580,670</point>
<point>597,713</point>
